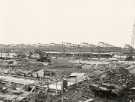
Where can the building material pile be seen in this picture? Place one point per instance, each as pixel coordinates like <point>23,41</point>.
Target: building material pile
<point>118,76</point>
<point>79,92</point>
<point>113,82</point>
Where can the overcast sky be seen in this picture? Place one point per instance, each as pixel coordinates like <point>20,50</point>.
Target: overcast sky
<point>45,21</point>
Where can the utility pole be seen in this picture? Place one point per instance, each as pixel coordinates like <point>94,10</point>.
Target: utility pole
<point>131,48</point>
<point>63,47</point>
<point>132,41</point>
<point>133,37</point>
<point>46,80</point>
<point>62,91</point>
<point>79,53</point>
<point>63,87</point>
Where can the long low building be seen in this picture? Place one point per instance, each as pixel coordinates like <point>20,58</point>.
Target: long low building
<point>83,54</point>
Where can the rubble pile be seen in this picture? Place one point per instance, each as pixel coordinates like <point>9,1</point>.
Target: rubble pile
<point>77,93</point>
<point>28,66</point>
<point>118,76</point>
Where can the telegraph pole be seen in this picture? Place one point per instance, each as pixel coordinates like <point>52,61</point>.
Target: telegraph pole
<point>63,47</point>
<point>63,88</point>
<point>133,37</point>
<point>132,41</point>
<point>62,91</point>
<point>79,53</point>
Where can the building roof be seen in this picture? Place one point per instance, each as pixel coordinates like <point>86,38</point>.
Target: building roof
<point>77,74</point>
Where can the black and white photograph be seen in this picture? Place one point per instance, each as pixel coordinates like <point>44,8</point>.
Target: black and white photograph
<point>67,50</point>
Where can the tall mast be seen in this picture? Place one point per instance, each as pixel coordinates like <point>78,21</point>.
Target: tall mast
<point>133,36</point>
